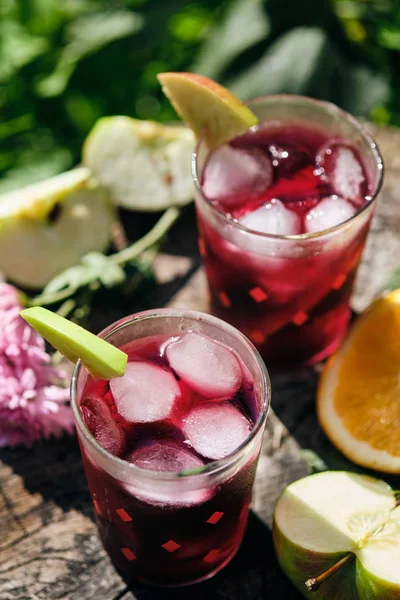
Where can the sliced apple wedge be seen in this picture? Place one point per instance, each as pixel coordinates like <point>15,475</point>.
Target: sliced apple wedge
<point>337,537</point>
<point>207,107</point>
<point>34,246</point>
<point>144,165</point>
<point>101,358</point>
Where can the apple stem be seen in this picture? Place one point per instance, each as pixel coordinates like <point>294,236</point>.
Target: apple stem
<point>315,583</point>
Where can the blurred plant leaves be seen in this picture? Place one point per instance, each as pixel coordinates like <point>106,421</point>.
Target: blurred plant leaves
<point>94,267</point>
<point>86,35</point>
<point>65,63</point>
<point>307,47</point>
<point>244,25</point>
<point>362,88</point>
<point>33,166</point>
<point>17,48</point>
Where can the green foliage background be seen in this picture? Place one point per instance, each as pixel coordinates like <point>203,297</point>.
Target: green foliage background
<point>65,63</point>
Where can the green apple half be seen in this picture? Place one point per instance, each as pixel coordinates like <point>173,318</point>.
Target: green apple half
<point>337,537</point>
<point>33,246</point>
<point>144,165</point>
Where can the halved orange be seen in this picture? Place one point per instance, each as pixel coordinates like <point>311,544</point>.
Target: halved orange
<point>358,400</point>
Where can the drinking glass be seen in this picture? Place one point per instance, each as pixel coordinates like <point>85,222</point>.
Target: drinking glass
<point>173,528</point>
<point>289,294</point>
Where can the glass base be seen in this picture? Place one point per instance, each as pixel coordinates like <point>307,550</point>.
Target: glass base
<point>209,575</point>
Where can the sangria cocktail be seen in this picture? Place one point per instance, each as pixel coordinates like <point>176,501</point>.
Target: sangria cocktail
<point>170,448</point>
<point>283,214</point>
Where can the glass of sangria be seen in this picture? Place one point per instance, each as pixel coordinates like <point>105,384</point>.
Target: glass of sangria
<point>170,449</point>
<point>283,214</point>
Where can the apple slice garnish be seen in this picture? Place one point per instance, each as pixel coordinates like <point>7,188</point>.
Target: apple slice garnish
<point>145,166</point>
<point>48,226</point>
<point>337,536</point>
<point>207,107</point>
<point>101,358</point>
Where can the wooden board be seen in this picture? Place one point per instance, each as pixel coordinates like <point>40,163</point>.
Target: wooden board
<point>49,547</point>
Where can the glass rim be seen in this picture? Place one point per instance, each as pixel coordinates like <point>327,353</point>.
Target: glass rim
<point>329,107</point>
<point>216,466</point>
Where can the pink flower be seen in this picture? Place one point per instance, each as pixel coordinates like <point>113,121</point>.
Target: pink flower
<point>33,396</point>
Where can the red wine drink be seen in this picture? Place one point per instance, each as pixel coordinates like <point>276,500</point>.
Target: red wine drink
<point>170,448</point>
<point>283,214</point>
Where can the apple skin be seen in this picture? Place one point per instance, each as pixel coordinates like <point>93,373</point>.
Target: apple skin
<point>351,582</point>
<point>371,587</point>
<point>299,565</point>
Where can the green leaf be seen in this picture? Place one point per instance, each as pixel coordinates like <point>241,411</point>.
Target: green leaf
<point>106,271</point>
<point>245,24</point>
<point>94,268</point>
<point>394,280</point>
<point>86,35</point>
<point>17,48</point>
<point>33,166</point>
<point>281,71</point>
<point>363,88</point>
<point>314,462</point>
<point>389,37</point>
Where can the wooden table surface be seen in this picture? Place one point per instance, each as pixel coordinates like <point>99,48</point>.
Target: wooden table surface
<point>49,547</point>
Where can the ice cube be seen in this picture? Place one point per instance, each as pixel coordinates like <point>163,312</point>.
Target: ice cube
<point>329,212</point>
<point>206,366</point>
<point>167,456</point>
<point>343,171</point>
<point>272,218</point>
<point>98,418</point>
<point>232,172</point>
<point>164,456</point>
<point>145,393</point>
<point>216,430</point>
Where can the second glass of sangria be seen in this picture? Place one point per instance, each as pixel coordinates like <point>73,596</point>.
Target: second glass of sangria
<point>283,214</point>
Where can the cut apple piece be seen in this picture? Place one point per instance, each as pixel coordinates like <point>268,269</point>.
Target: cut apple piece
<point>101,358</point>
<point>337,534</point>
<point>207,107</point>
<point>144,165</point>
<point>34,246</point>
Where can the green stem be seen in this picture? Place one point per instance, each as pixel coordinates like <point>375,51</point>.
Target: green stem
<point>151,239</point>
<point>66,308</point>
<point>46,299</point>
<point>155,235</point>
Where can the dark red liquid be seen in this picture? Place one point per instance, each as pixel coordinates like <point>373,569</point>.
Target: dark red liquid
<point>165,536</point>
<point>290,297</point>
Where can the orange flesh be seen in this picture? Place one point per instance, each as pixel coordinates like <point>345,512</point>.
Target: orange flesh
<point>367,394</point>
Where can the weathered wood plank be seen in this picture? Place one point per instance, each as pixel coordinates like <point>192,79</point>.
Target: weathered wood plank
<point>49,547</point>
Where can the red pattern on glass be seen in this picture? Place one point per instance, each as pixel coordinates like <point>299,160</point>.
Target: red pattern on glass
<point>211,556</point>
<point>258,294</point>
<point>170,546</point>
<point>215,518</point>
<point>224,299</point>
<point>339,281</point>
<point>257,336</point>
<point>121,512</point>
<point>202,248</point>
<point>300,318</point>
<point>96,506</point>
<point>129,555</point>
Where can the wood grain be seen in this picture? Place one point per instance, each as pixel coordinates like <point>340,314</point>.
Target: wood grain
<point>49,548</point>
